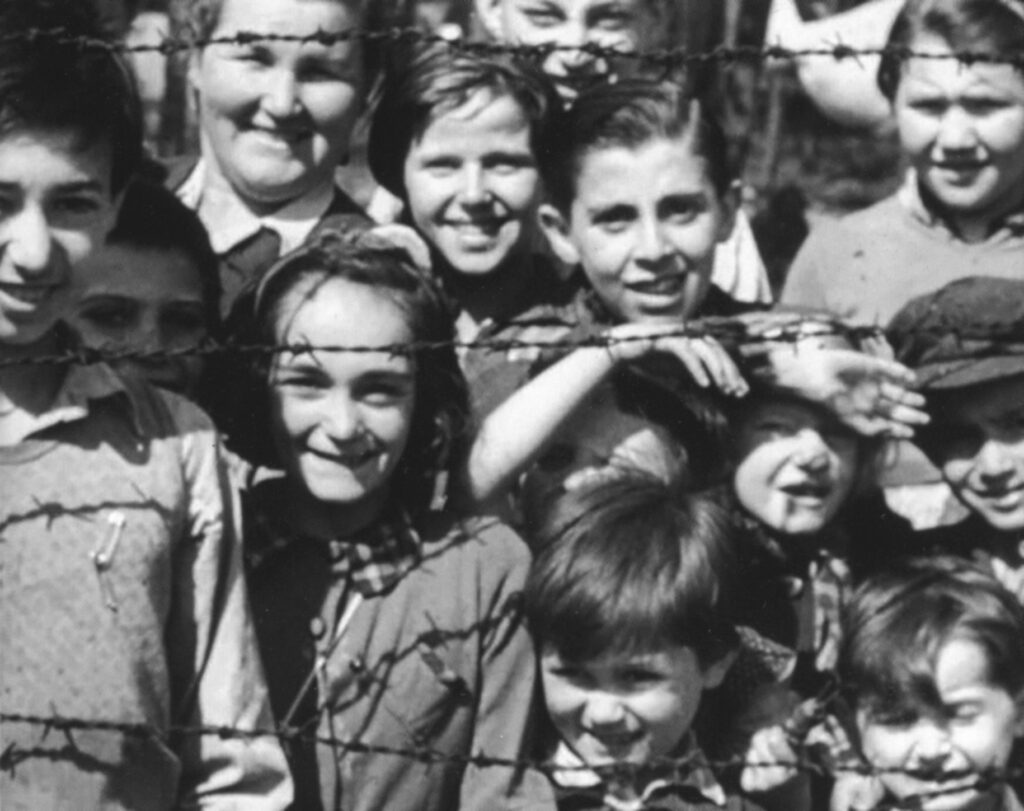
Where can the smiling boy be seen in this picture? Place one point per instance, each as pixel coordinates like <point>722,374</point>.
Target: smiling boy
<point>966,345</point>
<point>630,599</point>
<point>122,600</point>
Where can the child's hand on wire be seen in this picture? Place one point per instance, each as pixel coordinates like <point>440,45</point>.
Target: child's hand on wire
<point>872,395</point>
<point>705,358</point>
<point>768,746</point>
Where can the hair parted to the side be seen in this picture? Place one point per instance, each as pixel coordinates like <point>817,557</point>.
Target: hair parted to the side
<point>629,565</point>
<point>152,217</point>
<point>984,26</point>
<point>50,82</point>
<point>630,114</point>
<point>897,623</point>
<point>428,81</point>
<point>440,418</point>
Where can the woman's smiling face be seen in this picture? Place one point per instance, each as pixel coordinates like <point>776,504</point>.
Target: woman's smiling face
<point>275,116</point>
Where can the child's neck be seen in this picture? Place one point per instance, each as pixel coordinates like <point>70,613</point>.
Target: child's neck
<point>497,296</point>
<point>27,389</point>
<point>313,518</point>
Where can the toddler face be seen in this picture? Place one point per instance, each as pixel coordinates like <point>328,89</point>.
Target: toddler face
<point>275,116</point>
<point>624,709</point>
<point>972,731</point>
<point>979,446</point>
<point>56,207</point>
<point>624,25</point>
<point>797,467</point>
<point>473,185</point>
<point>962,127</point>
<point>341,420</point>
<point>644,225</point>
<point>143,299</point>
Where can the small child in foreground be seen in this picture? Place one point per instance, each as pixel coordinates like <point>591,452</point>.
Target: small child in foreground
<point>933,667</point>
<point>630,603</point>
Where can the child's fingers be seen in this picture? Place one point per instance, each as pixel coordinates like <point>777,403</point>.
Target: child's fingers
<point>723,371</point>
<point>767,748</point>
<point>686,352</point>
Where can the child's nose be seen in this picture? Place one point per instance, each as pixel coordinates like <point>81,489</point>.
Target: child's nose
<point>340,420</point>
<point>812,450</point>
<point>28,243</point>
<point>603,710</point>
<point>994,460</point>
<point>652,245</point>
<point>932,747</point>
<point>474,186</point>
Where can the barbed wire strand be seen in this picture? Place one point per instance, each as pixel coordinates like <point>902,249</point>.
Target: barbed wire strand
<point>67,725</point>
<point>170,45</point>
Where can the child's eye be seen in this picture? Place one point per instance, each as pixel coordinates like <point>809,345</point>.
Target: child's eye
<point>614,219</point>
<point>185,319</point>
<point>931,107</point>
<point>75,205</point>
<point>442,165</point>
<point>983,106</point>
<point>253,54</point>
<point>614,19</point>
<point>110,317</point>
<point>506,164</point>
<point>636,676</point>
<point>895,718</point>
<point>542,16</point>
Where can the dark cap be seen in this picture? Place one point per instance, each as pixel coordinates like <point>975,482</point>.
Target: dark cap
<point>970,331</point>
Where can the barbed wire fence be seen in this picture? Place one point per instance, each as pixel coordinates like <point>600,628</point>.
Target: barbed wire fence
<point>666,60</point>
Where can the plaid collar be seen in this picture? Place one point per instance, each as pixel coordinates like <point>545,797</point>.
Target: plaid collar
<point>689,771</point>
<point>922,208</point>
<point>373,560</point>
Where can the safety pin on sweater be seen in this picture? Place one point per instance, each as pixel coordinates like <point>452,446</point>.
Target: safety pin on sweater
<point>103,557</point>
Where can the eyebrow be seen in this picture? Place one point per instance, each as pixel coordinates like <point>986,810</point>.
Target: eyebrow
<point>81,186</point>
<point>610,211</point>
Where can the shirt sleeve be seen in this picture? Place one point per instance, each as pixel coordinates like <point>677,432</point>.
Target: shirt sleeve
<point>216,674</point>
<point>506,704</point>
<point>738,269</point>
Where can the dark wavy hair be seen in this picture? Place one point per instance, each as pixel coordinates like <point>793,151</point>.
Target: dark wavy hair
<point>897,623</point>
<point>426,82</point>
<point>55,82</point>
<point>629,114</point>
<point>631,564</point>
<point>440,416</point>
<point>993,26</point>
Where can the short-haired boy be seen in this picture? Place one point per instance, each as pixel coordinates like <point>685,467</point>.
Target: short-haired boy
<point>965,343</point>
<point>122,599</point>
<point>932,667</point>
<point>570,27</point>
<point>630,602</point>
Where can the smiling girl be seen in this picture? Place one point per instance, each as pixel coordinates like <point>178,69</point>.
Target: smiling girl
<point>380,621</point>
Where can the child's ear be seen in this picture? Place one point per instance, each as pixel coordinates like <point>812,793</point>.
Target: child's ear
<point>716,671</point>
<point>730,203</point>
<point>489,14</point>
<point>555,227</point>
<point>1018,726</point>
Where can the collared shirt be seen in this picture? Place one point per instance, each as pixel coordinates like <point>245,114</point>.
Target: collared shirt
<point>372,561</point>
<point>919,205</point>
<point>689,770</point>
<point>81,385</point>
<point>229,222</point>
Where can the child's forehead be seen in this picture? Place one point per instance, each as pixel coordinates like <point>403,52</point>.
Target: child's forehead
<point>56,160</point>
<point>662,655</point>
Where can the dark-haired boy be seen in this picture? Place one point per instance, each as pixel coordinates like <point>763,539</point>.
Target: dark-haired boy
<point>629,600</point>
<point>121,600</point>
<point>932,665</point>
<point>965,343</point>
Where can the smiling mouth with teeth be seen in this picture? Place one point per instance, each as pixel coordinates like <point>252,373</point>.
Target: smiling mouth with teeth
<point>663,285</point>
<point>28,294</point>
